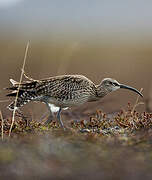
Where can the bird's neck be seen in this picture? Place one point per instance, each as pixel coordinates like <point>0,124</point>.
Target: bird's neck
<point>101,91</point>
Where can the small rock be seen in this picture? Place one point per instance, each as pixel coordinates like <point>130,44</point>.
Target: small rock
<point>84,130</point>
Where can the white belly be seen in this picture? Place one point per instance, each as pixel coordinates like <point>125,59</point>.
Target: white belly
<point>55,108</point>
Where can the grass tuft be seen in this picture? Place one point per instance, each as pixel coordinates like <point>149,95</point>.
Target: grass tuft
<point>2,122</point>
<point>22,72</point>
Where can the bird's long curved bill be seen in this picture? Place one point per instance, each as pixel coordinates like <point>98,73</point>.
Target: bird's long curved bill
<point>130,88</point>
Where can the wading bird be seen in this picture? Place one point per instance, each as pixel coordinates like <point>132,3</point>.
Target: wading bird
<point>62,92</point>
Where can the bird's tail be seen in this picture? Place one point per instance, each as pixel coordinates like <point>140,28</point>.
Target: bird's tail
<point>24,94</point>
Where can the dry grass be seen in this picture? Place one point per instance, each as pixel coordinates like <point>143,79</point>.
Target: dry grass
<point>2,127</point>
<point>22,73</point>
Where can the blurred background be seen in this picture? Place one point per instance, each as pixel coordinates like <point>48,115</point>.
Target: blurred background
<point>95,38</point>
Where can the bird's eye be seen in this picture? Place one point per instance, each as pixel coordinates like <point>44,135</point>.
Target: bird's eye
<point>111,83</point>
<point>114,84</point>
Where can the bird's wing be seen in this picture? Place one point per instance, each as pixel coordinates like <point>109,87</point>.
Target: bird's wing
<point>59,87</point>
<point>64,86</point>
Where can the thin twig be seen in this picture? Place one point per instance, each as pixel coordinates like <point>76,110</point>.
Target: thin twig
<point>22,72</point>
<point>136,102</point>
<point>2,127</point>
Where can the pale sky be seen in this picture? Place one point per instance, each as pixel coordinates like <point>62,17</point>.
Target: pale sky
<point>78,16</point>
<point>8,3</point>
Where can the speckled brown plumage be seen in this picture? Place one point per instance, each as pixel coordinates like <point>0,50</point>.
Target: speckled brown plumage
<point>62,91</point>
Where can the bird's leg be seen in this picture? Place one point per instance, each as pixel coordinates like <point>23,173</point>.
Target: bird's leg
<point>59,118</point>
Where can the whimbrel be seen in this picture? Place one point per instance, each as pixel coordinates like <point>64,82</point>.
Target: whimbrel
<point>62,92</point>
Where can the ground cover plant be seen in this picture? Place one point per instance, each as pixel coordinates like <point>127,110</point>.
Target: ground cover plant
<point>109,146</point>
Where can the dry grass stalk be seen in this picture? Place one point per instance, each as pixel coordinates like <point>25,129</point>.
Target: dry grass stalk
<point>2,129</point>
<point>22,73</point>
<point>137,103</point>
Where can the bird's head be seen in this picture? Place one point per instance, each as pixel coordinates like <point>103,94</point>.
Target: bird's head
<point>112,85</point>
